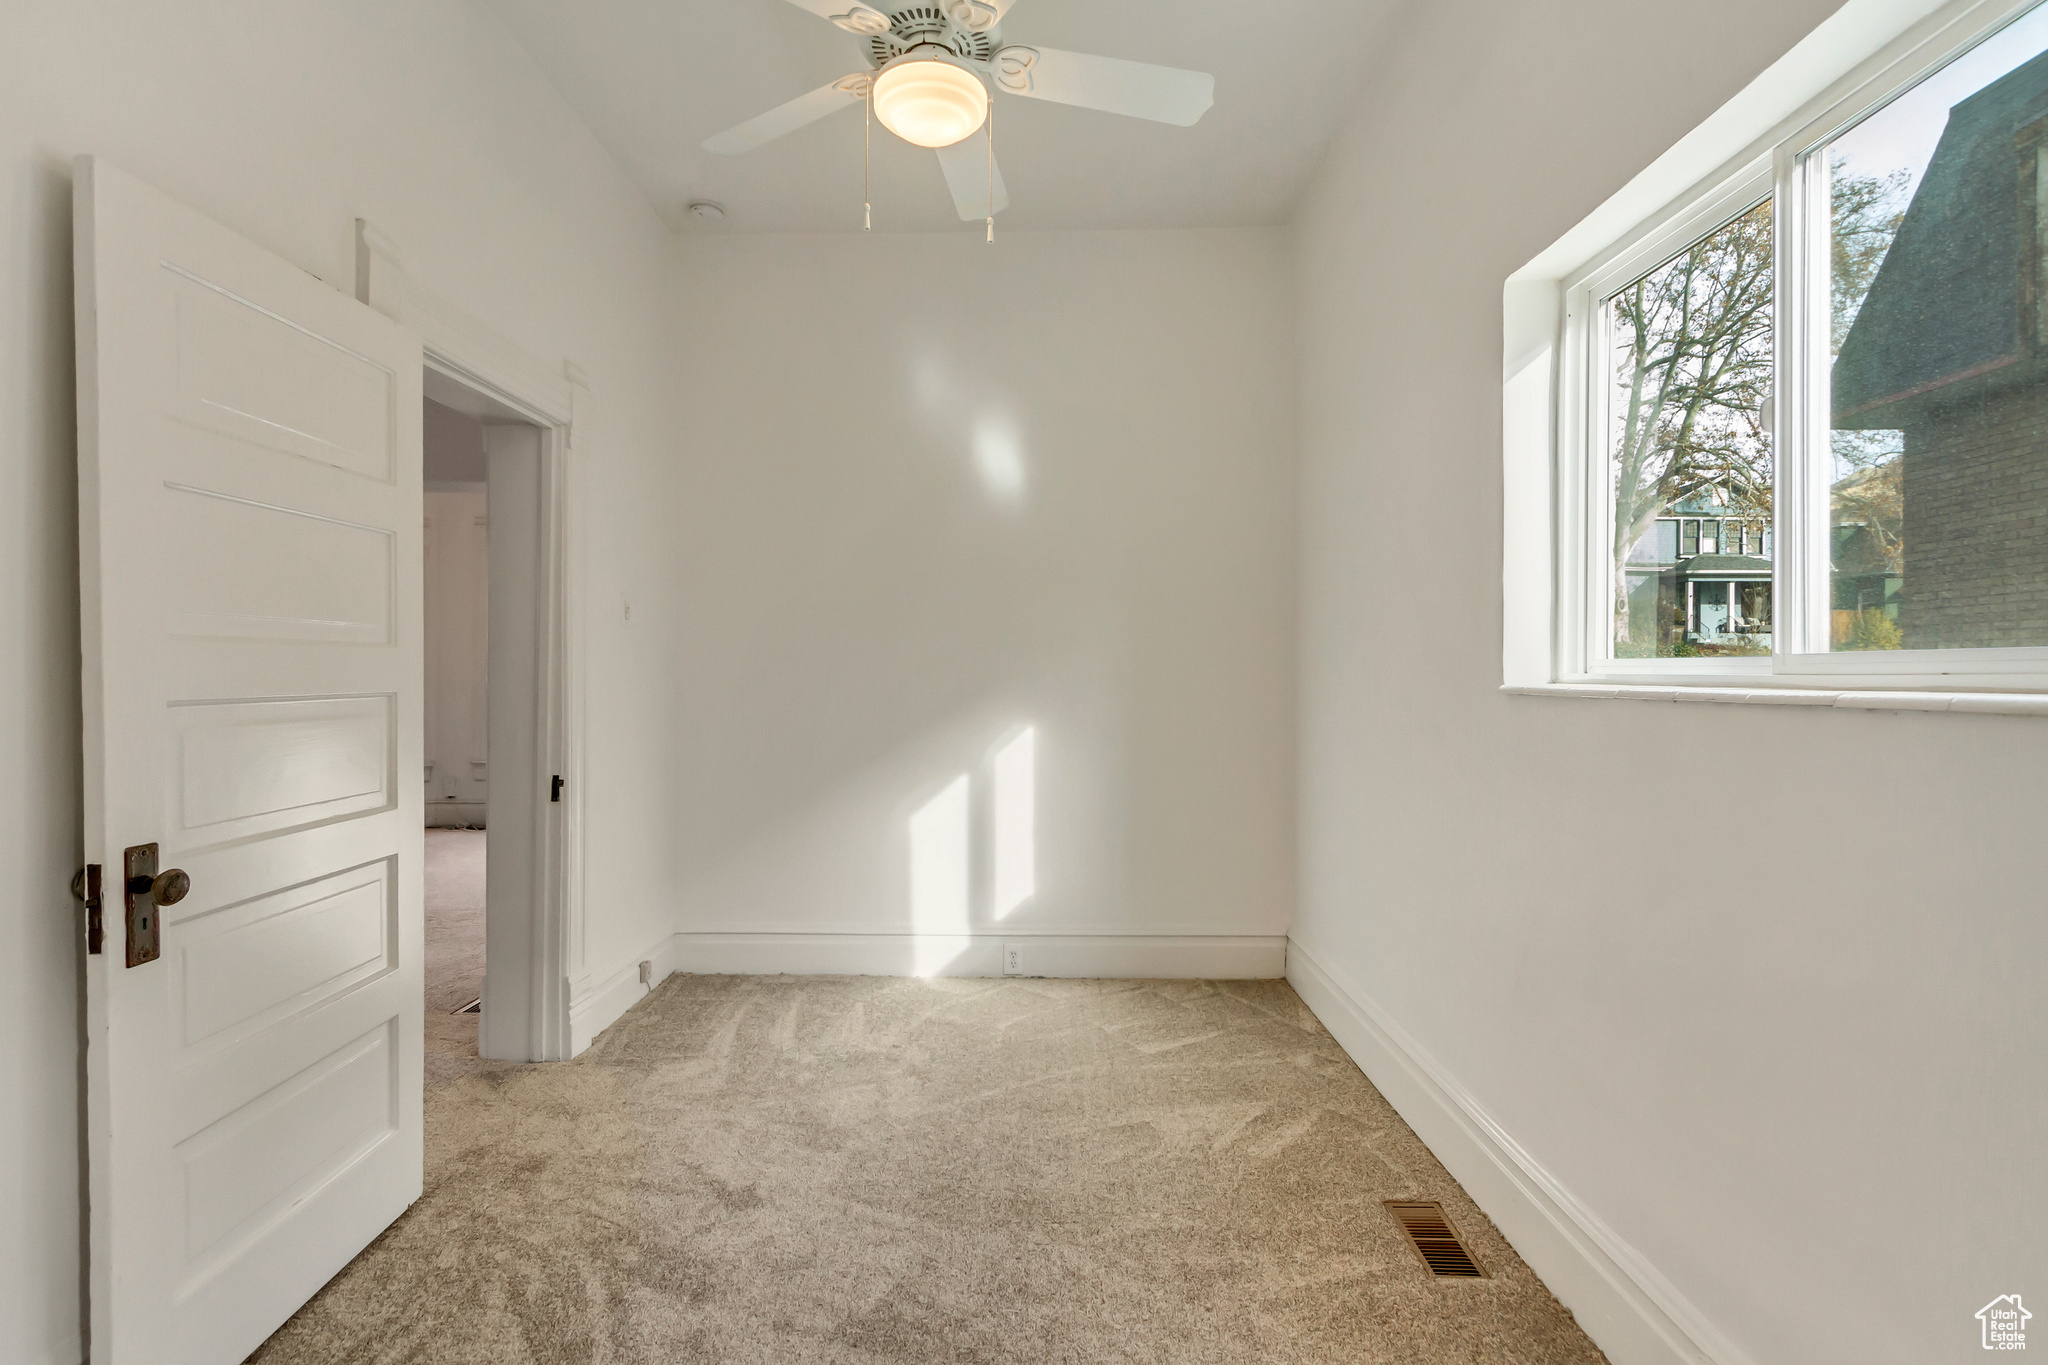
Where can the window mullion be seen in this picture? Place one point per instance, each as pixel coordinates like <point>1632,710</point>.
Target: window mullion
<point>1598,630</point>
<point>1568,623</point>
<point>1801,421</point>
<point>1579,482</point>
<point>1815,468</point>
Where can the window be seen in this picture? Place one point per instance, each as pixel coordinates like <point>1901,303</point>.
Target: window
<point>1838,351</point>
<point>1938,413</point>
<point>1689,354</point>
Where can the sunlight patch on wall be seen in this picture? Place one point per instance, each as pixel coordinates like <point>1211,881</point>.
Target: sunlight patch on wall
<point>1016,822</point>
<point>999,458</point>
<point>931,388</point>
<point>939,859</point>
<point>969,409</point>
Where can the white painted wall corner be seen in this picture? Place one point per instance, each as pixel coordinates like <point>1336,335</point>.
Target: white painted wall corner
<point>1622,1301</point>
<point>595,1005</point>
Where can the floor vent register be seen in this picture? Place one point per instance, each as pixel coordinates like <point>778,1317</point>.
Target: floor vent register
<point>1435,1240</point>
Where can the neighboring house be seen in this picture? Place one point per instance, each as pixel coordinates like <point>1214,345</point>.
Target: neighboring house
<point>1949,349</point>
<point>1865,549</point>
<point>1703,576</point>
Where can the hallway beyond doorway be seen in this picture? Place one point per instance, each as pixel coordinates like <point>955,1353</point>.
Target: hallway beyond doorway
<point>455,950</point>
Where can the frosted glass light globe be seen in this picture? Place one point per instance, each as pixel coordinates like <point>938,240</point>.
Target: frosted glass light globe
<point>930,103</point>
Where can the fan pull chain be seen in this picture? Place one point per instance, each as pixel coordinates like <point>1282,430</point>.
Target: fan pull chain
<point>867,146</point>
<point>991,172</point>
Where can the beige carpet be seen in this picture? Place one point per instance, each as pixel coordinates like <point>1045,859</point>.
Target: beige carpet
<point>455,950</point>
<point>847,1169</point>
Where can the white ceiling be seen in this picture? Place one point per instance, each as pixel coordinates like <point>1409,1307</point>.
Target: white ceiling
<point>654,78</point>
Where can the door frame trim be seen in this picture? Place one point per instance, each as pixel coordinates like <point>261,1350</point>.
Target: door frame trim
<point>558,401</point>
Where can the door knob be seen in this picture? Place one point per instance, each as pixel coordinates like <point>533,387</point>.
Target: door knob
<point>149,890</point>
<point>165,888</point>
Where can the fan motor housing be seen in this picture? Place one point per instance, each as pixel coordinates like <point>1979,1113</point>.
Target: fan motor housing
<point>929,25</point>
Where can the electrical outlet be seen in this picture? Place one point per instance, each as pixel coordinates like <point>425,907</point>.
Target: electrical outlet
<point>647,973</point>
<point>1013,959</point>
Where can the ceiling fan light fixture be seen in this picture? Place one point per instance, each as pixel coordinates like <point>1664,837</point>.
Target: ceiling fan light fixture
<point>929,101</point>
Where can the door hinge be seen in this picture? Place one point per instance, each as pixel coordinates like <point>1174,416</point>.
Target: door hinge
<point>85,885</point>
<point>556,794</point>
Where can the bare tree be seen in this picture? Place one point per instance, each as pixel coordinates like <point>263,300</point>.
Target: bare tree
<point>1693,366</point>
<point>1866,214</point>
<point>1870,492</point>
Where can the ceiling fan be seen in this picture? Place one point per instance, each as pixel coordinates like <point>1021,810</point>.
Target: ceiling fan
<point>932,68</point>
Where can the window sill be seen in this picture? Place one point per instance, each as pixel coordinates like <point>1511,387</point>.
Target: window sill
<point>1970,703</point>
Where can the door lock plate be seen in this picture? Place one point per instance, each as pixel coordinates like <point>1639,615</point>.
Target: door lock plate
<point>85,885</point>
<point>145,932</point>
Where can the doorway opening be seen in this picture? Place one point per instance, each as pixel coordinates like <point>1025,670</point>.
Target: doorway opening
<point>489,783</point>
<point>455,616</point>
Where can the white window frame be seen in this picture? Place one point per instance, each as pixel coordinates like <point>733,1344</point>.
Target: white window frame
<point>1783,166</point>
<point>1586,503</point>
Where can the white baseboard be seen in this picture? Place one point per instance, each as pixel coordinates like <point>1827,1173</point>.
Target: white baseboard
<point>456,814</point>
<point>595,1006</point>
<point>1185,956</point>
<point>1622,1301</point>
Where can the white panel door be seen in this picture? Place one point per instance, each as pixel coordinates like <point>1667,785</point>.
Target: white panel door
<point>249,552</point>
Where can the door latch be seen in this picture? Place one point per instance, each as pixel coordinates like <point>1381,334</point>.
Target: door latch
<point>555,791</point>
<point>85,885</point>
<point>147,892</point>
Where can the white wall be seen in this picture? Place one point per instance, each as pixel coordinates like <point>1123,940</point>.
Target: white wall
<point>286,120</point>
<point>457,571</point>
<point>458,575</point>
<point>940,491</point>
<point>1759,988</point>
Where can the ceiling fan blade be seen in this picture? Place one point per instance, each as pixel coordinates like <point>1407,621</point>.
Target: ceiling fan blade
<point>1164,94</point>
<point>851,15</point>
<point>868,19</point>
<point>977,16</point>
<point>787,118</point>
<point>966,165</point>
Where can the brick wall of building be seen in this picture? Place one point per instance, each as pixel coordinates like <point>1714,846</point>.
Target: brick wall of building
<point>1976,525</point>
